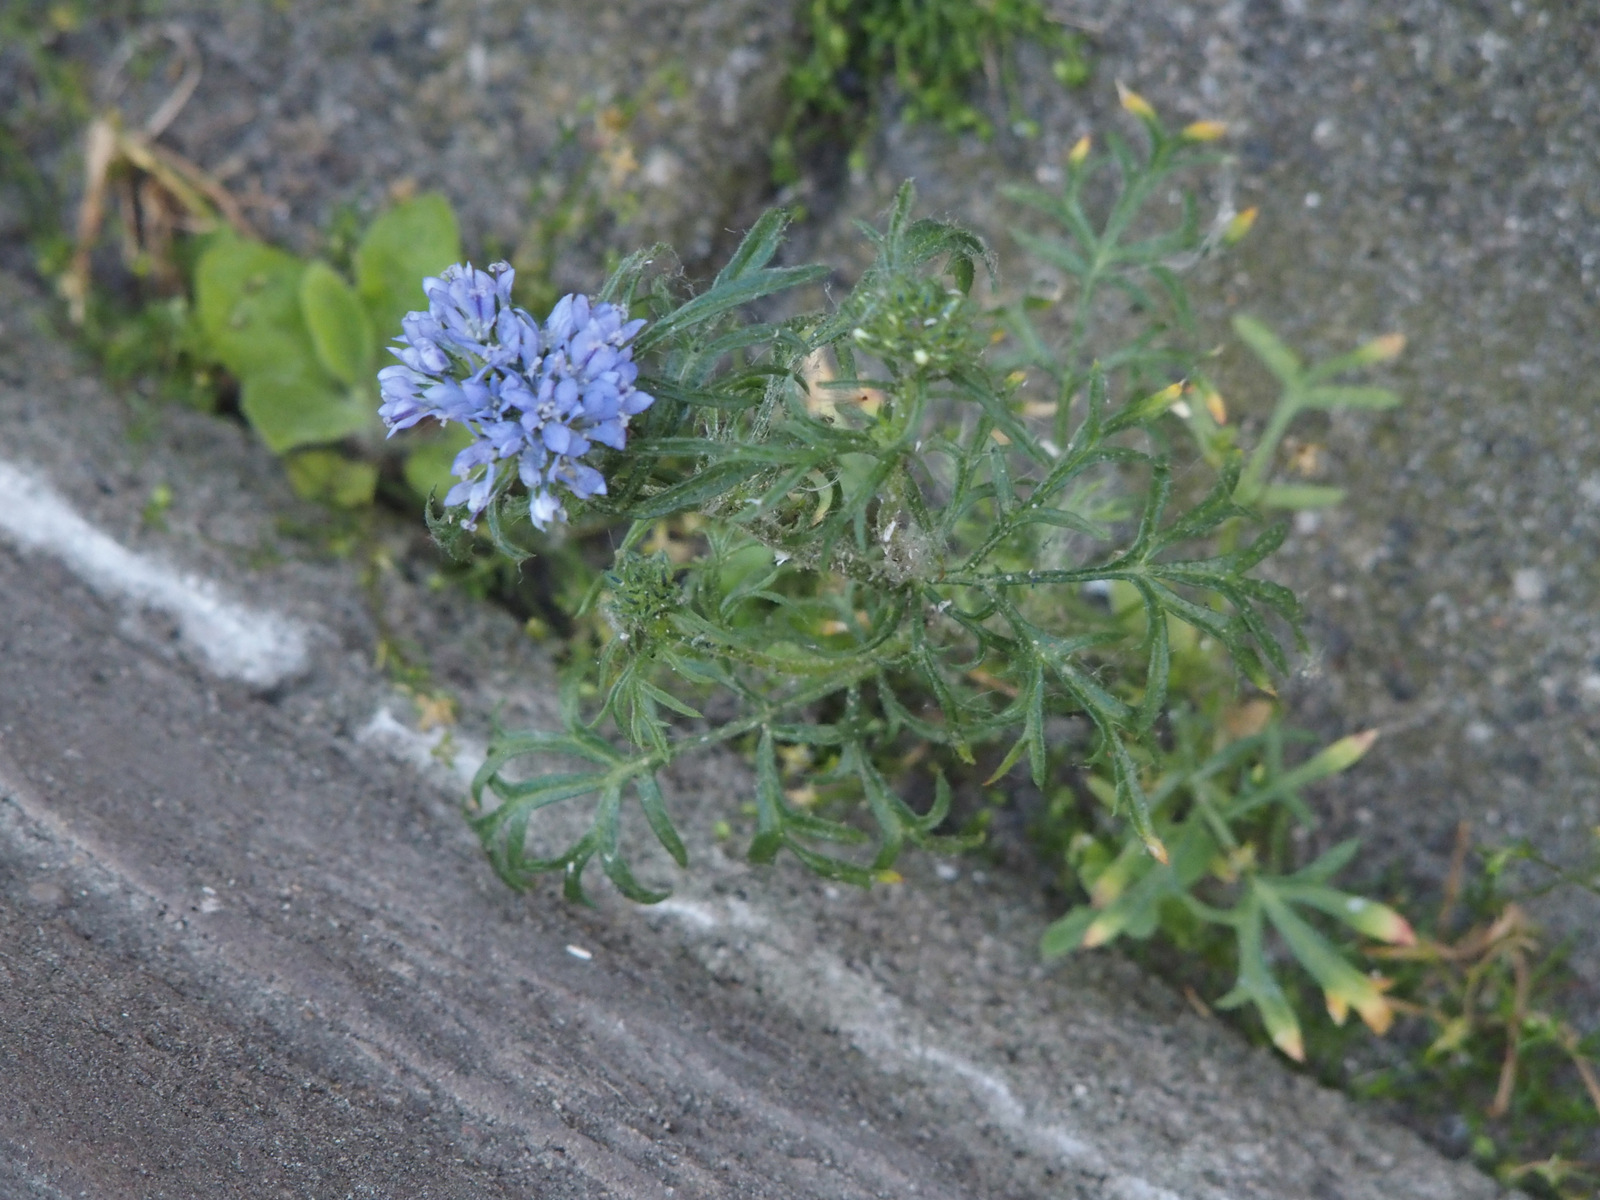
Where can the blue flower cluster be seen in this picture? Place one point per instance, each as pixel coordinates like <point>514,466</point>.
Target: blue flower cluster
<point>538,397</point>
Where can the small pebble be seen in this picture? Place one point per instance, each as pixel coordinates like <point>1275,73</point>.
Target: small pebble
<point>1528,585</point>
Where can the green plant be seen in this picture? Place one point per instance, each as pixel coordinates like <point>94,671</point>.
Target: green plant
<point>305,343</point>
<point>1304,389</point>
<point>1223,788</point>
<point>1225,805</point>
<point>933,50</point>
<point>1225,810</point>
<point>892,554</point>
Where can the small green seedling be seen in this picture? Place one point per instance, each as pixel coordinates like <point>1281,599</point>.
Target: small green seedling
<point>305,343</point>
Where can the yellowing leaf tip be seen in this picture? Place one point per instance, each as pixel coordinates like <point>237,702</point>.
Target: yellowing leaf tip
<point>1079,151</point>
<point>1239,226</point>
<point>1383,349</point>
<point>1291,1043</point>
<point>1347,751</point>
<point>1338,1007</point>
<point>1204,131</point>
<point>1377,1013</point>
<point>1361,742</point>
<point>1135,103</point>
<point>1382,922</point>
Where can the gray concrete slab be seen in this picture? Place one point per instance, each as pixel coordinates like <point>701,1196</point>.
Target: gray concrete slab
<point>627,122</point>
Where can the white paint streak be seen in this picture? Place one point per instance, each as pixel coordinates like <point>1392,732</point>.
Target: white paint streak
<point>229,638</point>
<point>689,912</point>
<point>1007,1110</point>
<point>817,984</point>
<point>427,752</point>
<point>820,987</point>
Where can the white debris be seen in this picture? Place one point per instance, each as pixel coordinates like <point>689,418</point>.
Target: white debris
<point>579,952</point>
<point>230,639</point>
<point>459,758</point>
<point>1528,585</point>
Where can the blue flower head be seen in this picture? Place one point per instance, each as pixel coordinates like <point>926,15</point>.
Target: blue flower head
<point>536,398</point>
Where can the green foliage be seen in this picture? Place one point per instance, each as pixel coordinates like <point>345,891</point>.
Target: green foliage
<point>1304,389</point>
<point>304,342</point>
<point>414,239</point>
<point>331,478</point>
<point>1223,804</point>
<point>933,50</point>
<point>155,346</point>
<point>1121,270</point>
<point>340,330</point>
<point>893,554</point>
<point>1224,809</point>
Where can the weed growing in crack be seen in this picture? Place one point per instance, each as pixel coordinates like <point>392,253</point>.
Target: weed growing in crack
<point>934,51</point>
<point>894,551</point>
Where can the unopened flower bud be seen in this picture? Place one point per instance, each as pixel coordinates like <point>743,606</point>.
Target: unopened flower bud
<point>1135,103</point>
<point>1239,226</point>
<point>1216,407</point>
<point>1382,349</point>
<point>1204,131</point>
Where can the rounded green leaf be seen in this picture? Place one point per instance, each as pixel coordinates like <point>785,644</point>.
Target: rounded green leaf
<point>328,477</point>
<point>302,407</point>
<point>247,298</point>
<point>409,242</point>
<point>339,327</point>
